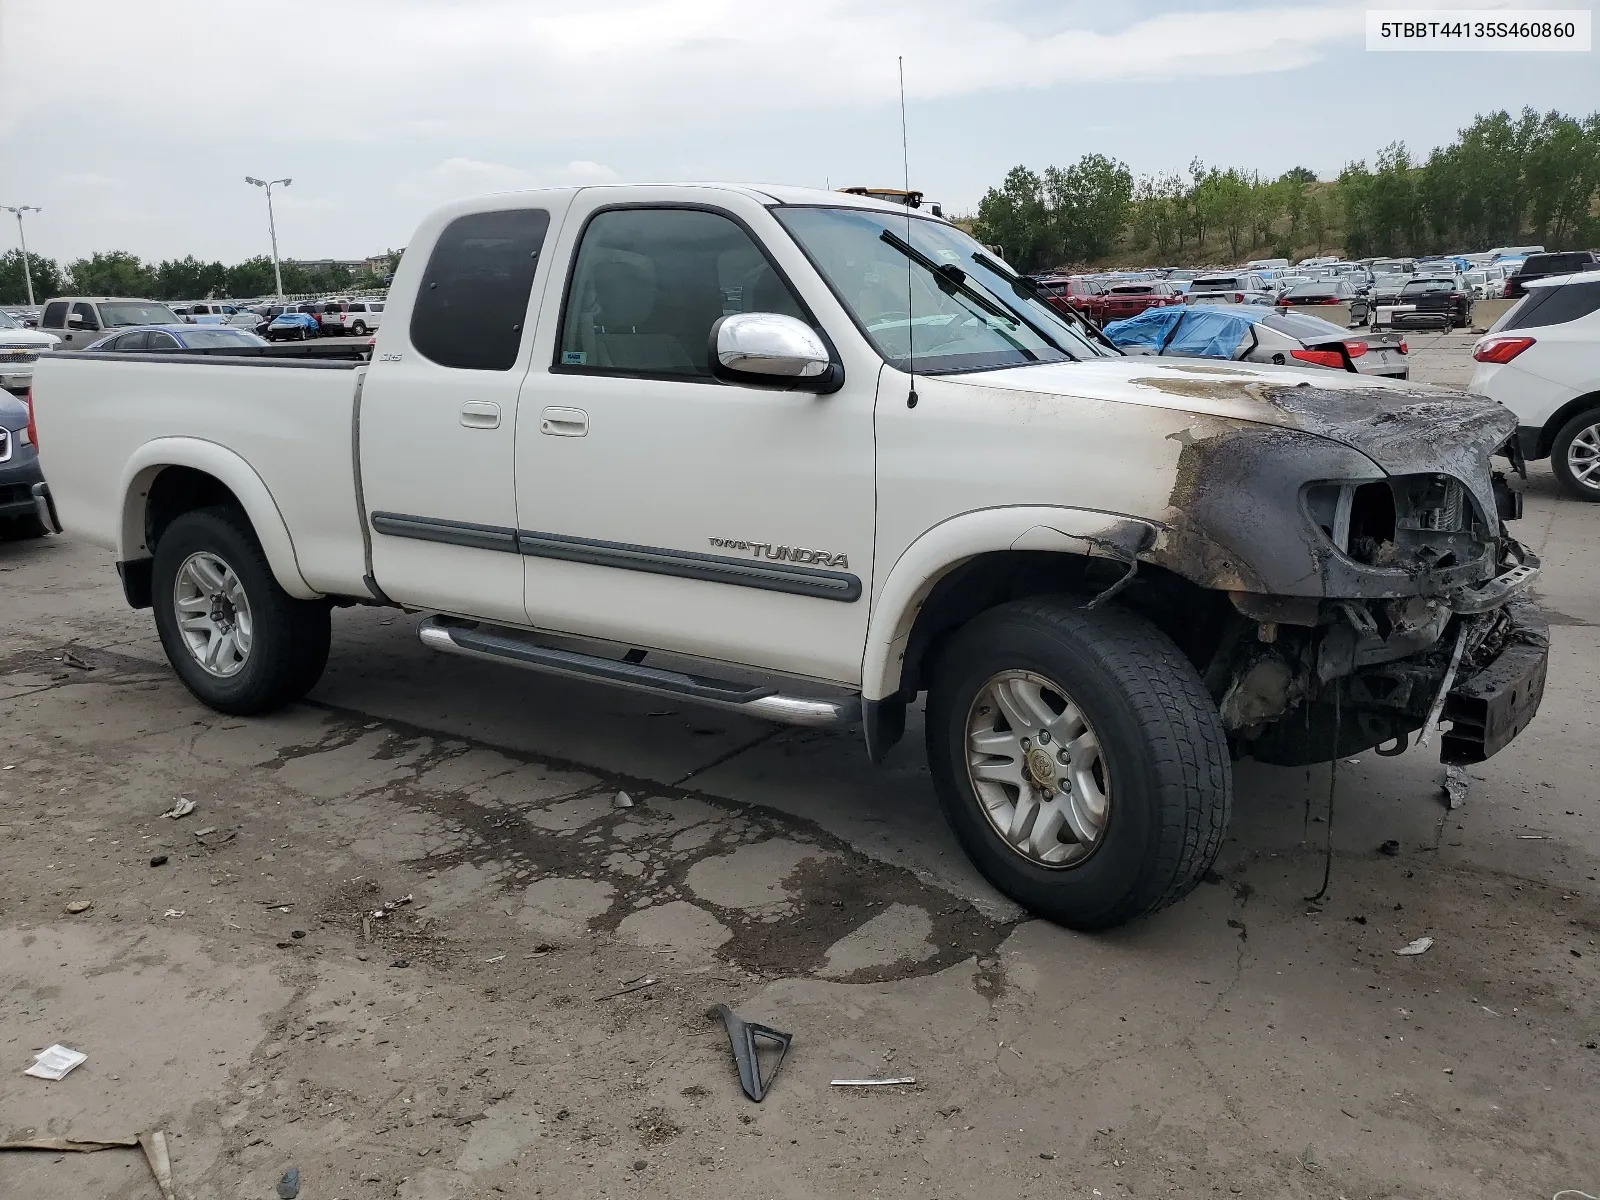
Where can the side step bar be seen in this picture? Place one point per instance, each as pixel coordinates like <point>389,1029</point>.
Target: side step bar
<point>517,649</point>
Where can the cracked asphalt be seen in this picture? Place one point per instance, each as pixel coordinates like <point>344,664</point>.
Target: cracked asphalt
<point>471,1041</point>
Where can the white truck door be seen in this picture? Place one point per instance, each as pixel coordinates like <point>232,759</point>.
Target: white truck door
<point>660,507</point>
<point>438,411</point>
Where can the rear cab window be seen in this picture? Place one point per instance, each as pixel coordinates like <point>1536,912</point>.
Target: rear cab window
<point>54,315</point>
<point>473,300</point>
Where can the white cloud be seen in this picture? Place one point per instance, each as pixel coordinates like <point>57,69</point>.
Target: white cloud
<point>570,71</point>
<point>89,179</point>
<point>137,133</point>
<point>460,176</point>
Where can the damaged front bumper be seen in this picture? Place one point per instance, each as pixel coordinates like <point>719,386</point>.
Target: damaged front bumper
<point>1315,695</point>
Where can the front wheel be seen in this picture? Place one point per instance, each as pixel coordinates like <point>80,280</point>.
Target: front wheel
<point>238,641</point>
<point>359,329</point>
<point>1575,456</point>
<point>1079,759</point>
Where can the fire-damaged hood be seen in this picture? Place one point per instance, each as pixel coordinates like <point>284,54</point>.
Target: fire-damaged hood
<point>1263,438</point>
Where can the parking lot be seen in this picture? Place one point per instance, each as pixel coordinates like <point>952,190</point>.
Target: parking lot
<point>562,844</point>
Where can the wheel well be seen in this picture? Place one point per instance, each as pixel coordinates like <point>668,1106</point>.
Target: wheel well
<point>1547,436</point>
<point>177,490</point>
<point>1192,616</point>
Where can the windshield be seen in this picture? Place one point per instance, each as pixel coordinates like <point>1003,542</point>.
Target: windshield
<point>1416,287</point>
<point>213,337</point>
<point>930,298</point>
<point>6,322</point>
<point>136,312</point>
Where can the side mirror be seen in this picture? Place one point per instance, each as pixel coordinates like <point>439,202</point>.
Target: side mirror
<point>773,348</point>
<point>75,319</point>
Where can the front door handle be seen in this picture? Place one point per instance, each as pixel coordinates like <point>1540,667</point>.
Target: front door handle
<point>480,414</point>
<point>564,422</point>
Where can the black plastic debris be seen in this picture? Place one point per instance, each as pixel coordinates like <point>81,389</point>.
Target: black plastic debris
<point>1391,848</point>
<point>289,1185</point>
<point>746,1039</point>
<point>158,860</point>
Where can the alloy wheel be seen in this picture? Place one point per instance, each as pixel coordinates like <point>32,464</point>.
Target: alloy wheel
<point>1037,769</point>
<point>213,614</point>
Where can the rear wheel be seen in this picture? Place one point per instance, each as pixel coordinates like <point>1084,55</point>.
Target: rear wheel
<point>1079,759</point>
<point>1575,456</point>
<point>238,641</point>
<point>359,329</point>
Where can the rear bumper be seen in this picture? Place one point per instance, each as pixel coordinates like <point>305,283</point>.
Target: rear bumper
<point>17,480</point>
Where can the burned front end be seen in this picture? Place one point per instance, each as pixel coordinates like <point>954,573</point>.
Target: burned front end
<point>1376,594</point>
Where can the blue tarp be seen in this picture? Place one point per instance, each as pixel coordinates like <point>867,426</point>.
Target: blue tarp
<point>1204,331</point>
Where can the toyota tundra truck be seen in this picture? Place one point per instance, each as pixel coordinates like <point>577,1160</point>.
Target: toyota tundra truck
<point>813,457</point>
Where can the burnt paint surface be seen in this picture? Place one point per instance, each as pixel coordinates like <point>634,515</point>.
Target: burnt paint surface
<point>1235,518</point>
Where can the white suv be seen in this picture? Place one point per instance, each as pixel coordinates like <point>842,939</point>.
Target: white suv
<point>1542,361</point>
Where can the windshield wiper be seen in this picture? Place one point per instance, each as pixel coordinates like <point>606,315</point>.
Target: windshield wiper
<point>952,280</point>
<point>1024,286</point>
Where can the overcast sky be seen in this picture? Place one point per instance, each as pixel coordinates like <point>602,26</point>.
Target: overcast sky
<point>134,124</point>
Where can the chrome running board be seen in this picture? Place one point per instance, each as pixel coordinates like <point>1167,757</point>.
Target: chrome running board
<point>518,649</point>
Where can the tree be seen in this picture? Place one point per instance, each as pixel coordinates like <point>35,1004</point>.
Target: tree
<point>1014,218</point>
<point>252,277</point>
<point>46,272</point>
<point>189,279</point>
<point>1299,175</point>
<point>1316,217</point>
<point>114,273</point>
<point>1088,205</point>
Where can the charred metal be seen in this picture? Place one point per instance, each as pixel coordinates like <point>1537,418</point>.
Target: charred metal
<point>1357,534</point>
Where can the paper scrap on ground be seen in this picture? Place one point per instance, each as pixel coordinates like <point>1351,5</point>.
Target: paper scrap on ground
<point>1420,946</point>
<point>182,808</point>
<point>55,1062</point>
<point>872,1082</point>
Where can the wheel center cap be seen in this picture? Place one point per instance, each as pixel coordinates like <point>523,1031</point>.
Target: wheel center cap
<point>1042,766</point>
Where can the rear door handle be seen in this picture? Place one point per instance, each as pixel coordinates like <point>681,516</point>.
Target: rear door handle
<point>480,414</point>
<point>564,422</point>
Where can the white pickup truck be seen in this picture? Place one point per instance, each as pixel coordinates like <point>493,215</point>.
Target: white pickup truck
<point>809,456</point>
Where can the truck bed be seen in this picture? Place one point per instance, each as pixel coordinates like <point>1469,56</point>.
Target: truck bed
<point>289,416</point>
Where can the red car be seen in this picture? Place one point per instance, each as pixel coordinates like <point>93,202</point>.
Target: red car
<point>1130,299</point>
<point>1083,296</point>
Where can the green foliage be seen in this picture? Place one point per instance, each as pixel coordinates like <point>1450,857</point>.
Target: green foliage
<point>113,273</point>
<point>1076,212</point>
<point>1503,180</point>
<point>47,279</point>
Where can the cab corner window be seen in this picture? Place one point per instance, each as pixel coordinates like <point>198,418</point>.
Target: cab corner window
<point>473,300</point>
<point>648,284</point>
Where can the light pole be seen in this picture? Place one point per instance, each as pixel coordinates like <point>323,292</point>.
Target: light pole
<point>272,226</point>
<point>27,272</point>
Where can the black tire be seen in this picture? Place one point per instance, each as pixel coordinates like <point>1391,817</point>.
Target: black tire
<point>290,644</point>
<point>304,333</point>
<point>359,329</point>
<point>1160,736</point>
<point>22,528</point>
<point>1562,447</point>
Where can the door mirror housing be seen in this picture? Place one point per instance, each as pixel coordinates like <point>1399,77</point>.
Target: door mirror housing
<point>775,349</point>
<point>75,319</point>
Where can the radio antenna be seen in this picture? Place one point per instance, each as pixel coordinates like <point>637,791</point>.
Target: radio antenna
<point>905,162</point>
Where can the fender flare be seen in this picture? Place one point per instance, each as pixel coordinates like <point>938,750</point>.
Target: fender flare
<point>958,539</point>
<point>237,475</point>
